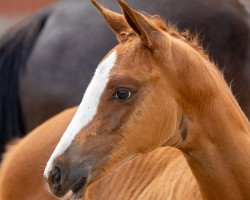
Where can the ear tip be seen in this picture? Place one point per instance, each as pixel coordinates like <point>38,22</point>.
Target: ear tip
<point>124,5</point>
<point>98,6</point>
<point>94,2</point>
<point>121,2</point>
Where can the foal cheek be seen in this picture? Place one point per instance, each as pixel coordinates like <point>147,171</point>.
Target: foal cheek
<point>113,120</point>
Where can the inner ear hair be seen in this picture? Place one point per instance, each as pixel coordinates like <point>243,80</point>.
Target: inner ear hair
<point>141,24</point>
<point>116,21</point>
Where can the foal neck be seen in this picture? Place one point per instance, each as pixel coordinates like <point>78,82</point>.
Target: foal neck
<point>217,142</point>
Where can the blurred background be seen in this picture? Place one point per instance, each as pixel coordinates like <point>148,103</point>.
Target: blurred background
<point>11,11</point>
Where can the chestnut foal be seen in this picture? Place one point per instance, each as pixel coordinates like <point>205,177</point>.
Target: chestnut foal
<point>154,89</point>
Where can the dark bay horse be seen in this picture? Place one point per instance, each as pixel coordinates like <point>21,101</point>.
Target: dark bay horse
<point>47,60</point>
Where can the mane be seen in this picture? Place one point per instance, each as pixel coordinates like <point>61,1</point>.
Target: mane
<point>186,36</point>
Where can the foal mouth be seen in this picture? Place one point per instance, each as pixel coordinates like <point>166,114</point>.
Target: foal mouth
<point>79,188</point>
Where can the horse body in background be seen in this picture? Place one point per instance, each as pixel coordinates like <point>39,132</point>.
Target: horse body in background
<point>47,60</point>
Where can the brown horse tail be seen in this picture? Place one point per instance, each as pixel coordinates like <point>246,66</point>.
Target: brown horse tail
<point>15,48</point>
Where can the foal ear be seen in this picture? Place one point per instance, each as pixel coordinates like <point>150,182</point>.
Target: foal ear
<point>116,21</point>
<point>143,26</point>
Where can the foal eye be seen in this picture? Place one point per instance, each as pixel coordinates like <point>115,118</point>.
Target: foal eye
<point>122,94</point>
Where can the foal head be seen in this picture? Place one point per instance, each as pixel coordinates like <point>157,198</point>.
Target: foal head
<point>130,107</point>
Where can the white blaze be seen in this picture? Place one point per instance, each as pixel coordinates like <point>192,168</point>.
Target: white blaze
<point>87,109</point>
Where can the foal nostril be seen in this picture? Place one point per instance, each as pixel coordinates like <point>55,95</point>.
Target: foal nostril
<point>55,177</point>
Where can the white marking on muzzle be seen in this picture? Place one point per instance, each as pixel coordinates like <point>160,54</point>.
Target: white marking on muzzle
<point>87,109</point>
